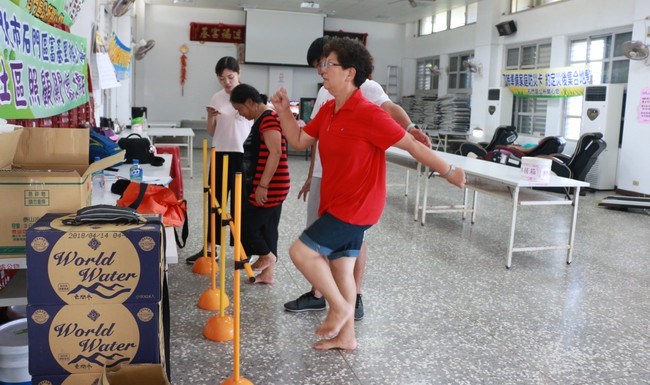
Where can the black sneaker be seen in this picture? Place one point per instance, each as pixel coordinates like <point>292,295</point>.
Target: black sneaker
<point>358,309</point>
<point>306,302</point>
<point>193,258</point>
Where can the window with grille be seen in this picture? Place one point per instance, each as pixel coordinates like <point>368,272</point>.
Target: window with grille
<point>603,55</point>
<point>529,114</point>
<point>459,78</point>
<point>426,78</point>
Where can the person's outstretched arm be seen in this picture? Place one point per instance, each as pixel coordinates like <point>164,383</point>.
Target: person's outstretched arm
<point>425,155</point>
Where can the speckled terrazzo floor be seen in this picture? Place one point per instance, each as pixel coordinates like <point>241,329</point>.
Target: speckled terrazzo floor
<point>440,306</point>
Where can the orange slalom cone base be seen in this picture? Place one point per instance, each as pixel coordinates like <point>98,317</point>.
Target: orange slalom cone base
<point>203,266</point>
<point>210,298</point>
<point>219,328</point>
<point>233,381</point>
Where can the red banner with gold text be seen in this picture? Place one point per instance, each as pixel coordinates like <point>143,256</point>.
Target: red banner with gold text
<point>221,33</point>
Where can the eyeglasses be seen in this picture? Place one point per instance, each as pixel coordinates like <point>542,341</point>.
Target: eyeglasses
<point>325,64</point>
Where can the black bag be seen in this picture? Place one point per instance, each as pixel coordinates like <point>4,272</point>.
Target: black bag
<point>141,149</point>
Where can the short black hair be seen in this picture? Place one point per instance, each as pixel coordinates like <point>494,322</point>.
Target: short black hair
<point>315,51</point>
<point>243,92</point>
<point>226,63</point>
<point>351,53</point>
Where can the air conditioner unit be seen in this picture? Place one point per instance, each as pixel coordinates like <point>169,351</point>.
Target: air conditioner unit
<point>602,111</point>
<point>499,109</point>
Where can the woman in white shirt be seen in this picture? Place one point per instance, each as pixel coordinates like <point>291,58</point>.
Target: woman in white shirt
<point>228,130</point>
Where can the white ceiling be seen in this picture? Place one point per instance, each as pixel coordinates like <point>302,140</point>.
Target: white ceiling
<point>389,11</point>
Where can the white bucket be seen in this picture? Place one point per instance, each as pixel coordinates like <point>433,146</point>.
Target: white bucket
<point>536,169</point>
<point>14,361</point>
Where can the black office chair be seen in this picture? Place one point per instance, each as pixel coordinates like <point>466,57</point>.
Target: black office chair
<point>503,135</point>
<point>577,166</point>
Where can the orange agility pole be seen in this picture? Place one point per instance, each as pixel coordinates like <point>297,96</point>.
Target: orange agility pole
<point>243,257</point>
<point>213,299</point>
<point>236,379</point>
<point>203,265</point>
<point>220,326</point>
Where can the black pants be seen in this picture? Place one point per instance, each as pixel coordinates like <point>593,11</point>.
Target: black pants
<point>260,229</point>
<point>235,164</point>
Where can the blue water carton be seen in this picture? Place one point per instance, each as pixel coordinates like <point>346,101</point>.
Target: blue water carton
<point>98,263</point>
<point>85,338</point>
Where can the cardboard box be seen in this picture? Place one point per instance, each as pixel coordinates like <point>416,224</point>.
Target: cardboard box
<point>43,170</point>
<point>140,374</point>
<point>67,379</point>
<point>91,264</point>
<point>80,339</point>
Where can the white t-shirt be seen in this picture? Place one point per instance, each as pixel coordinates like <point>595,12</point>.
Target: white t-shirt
<point>232,129</point>
<point>370,89</point>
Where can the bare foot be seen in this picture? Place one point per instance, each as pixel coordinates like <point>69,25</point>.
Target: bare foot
<point>336,343</point>
<point>267,276</point>
<point>263,262</point>
<point>334,321</point>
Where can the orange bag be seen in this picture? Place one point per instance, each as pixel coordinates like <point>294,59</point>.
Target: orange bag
<point>156,199</point>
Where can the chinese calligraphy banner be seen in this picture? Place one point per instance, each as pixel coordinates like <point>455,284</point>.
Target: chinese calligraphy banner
<point>220,33</point>
<point>43,70</point>
<point>120,55</point>
<point>49,11</point>
<point>548,82</point>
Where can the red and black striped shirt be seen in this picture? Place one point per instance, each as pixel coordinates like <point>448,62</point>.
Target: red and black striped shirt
<point>280,182</point>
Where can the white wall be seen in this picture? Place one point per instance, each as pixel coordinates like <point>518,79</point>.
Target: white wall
<point>634,157</point>
<point>157,75</point>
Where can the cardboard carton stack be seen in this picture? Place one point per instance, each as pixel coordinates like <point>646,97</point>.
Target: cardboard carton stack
<point>94,295</point>
<point>42,170</point>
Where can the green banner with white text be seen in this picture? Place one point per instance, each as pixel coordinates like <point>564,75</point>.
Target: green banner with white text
<point>43,70</point>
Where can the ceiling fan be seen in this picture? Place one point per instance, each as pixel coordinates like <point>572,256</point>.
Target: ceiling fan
<point>413,3</point>
<point>635,50</point>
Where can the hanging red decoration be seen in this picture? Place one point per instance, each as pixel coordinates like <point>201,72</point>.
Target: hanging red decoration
<point>183,50</point>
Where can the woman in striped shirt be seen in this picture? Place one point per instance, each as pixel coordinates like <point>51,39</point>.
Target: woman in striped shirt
<point>266,180</point>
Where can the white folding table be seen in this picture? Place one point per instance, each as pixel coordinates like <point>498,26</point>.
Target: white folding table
<point>497,180</point>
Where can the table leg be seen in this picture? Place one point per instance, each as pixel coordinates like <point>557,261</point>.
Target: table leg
<point>513,226</point>
<point>572,233</point>
<point>190,154</point>
<point>418,176</point>
<point>426,194</point>
<point>464,203</point>
<point>406,188</point>
<point>474,204</point>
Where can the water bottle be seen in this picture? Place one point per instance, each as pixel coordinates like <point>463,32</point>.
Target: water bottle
<point>135,173</point>
<point>98,179</point>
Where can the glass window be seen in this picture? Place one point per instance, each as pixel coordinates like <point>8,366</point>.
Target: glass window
<point>522,5</point>
<point>604,57</point>
<point>426,26</point>
<point>457,17</point>
<point>427,77</point>
<point>529,114</point>
<point>472,13</point>
<point>513,58</point>
<point>440,22</point>
<point>460,80</point>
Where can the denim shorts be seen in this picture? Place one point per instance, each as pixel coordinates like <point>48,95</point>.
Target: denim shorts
<point>334,238</point>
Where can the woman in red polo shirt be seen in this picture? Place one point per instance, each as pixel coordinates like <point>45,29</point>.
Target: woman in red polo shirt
<point>353,136</point>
